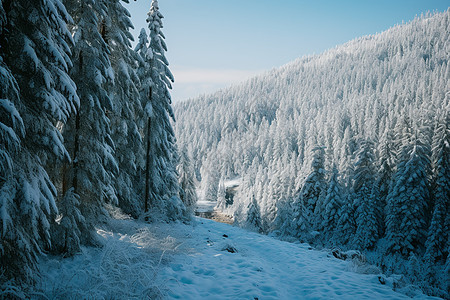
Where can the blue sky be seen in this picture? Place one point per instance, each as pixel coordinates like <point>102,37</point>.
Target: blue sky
<point>214,43</point>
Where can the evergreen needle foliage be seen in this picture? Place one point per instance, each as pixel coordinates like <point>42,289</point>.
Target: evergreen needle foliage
<point>72,127</point>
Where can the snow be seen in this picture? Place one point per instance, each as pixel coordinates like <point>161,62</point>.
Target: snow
<point>28,49</point>
<point>9,132</point>
<point>205,206</point>
<point>178,261</point>
<point>233,182</point>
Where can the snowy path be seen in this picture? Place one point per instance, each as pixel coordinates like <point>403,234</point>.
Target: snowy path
<point>177,261</point>
<point>263,268</point>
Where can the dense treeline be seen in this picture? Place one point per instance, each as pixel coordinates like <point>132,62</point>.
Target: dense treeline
<point>84,121</point>
<point>348,149</point>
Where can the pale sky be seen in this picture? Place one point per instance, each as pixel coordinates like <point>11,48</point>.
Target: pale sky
<point>215,43</point>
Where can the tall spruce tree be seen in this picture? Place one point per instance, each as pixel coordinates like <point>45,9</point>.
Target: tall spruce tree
<point>253,217</point>
<point>221,203</point>
<point>437,244</point>
<point>186,175</point>
<point>364,195</point>
<point>12,131</point>
<point>36,95</point>
<point>314,188</point>
<point>161,184</point>
<point>408,201</point>
<point>385,173</point>
<point>346,226</point>
<point>88,134</point>
<point>127,116</point>
<point>333,203</point>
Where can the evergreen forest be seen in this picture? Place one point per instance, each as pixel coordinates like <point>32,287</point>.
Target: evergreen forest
<point>84,125</point>
<point>348,149</point>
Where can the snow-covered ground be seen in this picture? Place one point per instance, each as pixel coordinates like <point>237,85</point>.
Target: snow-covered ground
<point>205,206</point>
<point>177,261</point>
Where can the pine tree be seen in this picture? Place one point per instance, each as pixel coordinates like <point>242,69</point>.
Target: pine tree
<point>12,132</point>
<point>36,95</point>
<point>210,179</point>
<point>161,179</point>
<point>253,219</point>
<point>333,203</point>
<point>221,196</point>
<point>300,226</point>
<point>127,117</point>
<point>37,52</point>
<point>409,198</point>
<point>268,206</point>
<point>11,124</point>
<point>88,134</point>
<point>66,235</point>
<point>385,174</point>
<point>364,195</point>
<point>314,188</point>
<point>346,226</point>
<point>188,193</point>
<point>284,219</point>
<point>346,158</point>
<point>437,244</point>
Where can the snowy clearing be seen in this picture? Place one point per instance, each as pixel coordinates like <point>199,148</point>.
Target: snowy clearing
<point>205,206</point>
<point>177,261</point>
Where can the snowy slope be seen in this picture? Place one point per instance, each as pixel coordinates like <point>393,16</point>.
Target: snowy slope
<point>264,268</point>
<point>177,261</point>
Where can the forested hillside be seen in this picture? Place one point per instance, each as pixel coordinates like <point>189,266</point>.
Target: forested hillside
<point>349,148</point>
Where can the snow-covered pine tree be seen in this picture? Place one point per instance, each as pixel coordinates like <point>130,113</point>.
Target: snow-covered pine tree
<point>144,55</point>
<point>210,179</point>
<point>127,116</point>
<point>385,173</point>
<point>221,196</point>
<point>186,175</point>
<point>66,233</point>
<point>299,226</point>
<point>36,95</point>
<point>12,131</point>
<point>304,204</point>
<point>346,158</point>
<point>268,206</point>
<point>437,244</point>
<point>409,198</point>
<point>253,217</point>
<point>37,52</point>
<point>283,221</point>
<point>364,195</point>
<point>314,189</point>
<point>346,226</point>
<point>332,203</point>
<point>161,179</point>
<point>88,134</point>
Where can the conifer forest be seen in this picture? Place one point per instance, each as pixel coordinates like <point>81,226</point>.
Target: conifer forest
<point>347,150</point>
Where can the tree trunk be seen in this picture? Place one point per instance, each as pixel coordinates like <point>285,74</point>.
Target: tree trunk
<point>64,175</point>
<point>76,144</point>
<point>147,163</point>
<point>76,149</point>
